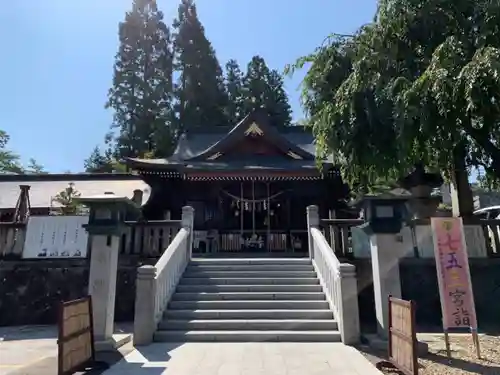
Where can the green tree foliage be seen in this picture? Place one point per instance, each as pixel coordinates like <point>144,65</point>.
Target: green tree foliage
<point>10,162</point>
<point>165,84</point>
<point>141,95</point>
<point>420,83</point>
<point>35,168</point>
<point>234,88</point>
<point>66,200</point>
<point>263,88</point>
<point>98,162</point>
<point>200,88</point>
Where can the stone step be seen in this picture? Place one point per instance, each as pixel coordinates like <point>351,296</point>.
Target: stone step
<point>248,288</point>
<point>251,324</point>
<point>247,314</point>
<point>247,305</point>
<point>249,267</point>
<point>247,336</point>
<point>249,281</point>
<point>242,274</point>
<point>239,261</point>
<point>247,296</point>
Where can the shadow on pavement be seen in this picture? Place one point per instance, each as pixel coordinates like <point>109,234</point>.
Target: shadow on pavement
<point>48,366</point>
<point>32,332</point>
<point>158,352</point>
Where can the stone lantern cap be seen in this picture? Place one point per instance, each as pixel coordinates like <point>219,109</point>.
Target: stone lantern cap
<point>107,198</point>
<point>419,177</point>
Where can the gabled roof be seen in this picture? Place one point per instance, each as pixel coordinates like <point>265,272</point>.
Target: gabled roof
<point>198,151</point>
<point>256,123</point>
<point>193,144</point>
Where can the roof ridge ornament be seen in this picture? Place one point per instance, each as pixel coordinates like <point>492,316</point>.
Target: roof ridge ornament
<point>254,129</point>
<point>293,155</point>
<point>215,156</point>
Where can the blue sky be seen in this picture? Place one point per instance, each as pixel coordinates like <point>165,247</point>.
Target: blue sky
<point>59,54</point>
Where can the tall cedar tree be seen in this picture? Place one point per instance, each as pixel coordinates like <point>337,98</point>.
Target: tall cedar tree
<point>263,88</point>
<point>234,88</point>
<point>200,90</point>
<point>98,162</point>
<point>141,94</point>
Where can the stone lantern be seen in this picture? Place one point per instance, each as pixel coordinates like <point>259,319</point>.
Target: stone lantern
<point>421,184</point>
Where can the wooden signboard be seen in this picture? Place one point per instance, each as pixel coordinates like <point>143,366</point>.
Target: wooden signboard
<point>76,338</point>
<point>403,336</point>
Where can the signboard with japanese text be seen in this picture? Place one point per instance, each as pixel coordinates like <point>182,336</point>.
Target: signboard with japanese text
<point>49,237</point>
<point>455,287</point>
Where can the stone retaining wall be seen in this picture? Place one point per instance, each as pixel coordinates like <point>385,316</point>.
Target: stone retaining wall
<point>30,291</point>
<point>419,283</point>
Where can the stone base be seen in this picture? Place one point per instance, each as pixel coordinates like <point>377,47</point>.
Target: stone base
<point>378,343</point>
<point>112,344</point>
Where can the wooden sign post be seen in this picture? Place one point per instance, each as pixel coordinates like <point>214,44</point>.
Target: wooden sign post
<point>402,337</point>
<point>453,274</point>
<point>75,341</point>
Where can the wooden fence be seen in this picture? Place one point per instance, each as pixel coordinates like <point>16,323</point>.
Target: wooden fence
<point>141,239</point>
<point>12,236</point>
<point>149,238</point>
<point>338,234</point>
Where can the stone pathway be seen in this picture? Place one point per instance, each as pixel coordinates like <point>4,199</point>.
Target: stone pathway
<point>244,359</point>
<point>33,351</point>
<point>26,346</point>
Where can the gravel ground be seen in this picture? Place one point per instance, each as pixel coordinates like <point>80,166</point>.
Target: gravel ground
<point>463,361</point>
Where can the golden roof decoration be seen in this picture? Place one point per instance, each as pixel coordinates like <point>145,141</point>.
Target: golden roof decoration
<point>254,129</point>
<point>215,156</point>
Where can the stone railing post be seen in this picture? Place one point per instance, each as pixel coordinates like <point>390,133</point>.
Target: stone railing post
<point>350,311</point>
<point>188,223</point>
<point>312,222</point>
<point>145,295</point>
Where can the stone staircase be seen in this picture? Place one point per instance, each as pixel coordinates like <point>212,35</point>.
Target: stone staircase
<point>247,300</point>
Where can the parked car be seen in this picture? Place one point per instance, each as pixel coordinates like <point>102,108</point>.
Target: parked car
<point>491,213</point>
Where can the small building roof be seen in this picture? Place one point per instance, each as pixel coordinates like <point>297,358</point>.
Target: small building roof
<point>43,188</point>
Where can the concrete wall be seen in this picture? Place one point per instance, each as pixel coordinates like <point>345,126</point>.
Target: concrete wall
<point>30,291</point>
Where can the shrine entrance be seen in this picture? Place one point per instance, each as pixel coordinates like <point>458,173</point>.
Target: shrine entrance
<point>254,217</point>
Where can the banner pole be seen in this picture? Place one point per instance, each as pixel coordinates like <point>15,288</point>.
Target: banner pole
<point>475,339</point>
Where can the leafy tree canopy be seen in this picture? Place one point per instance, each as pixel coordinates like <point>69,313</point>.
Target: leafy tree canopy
<point>10,162</point>
<point>420,83</point>
<point>66,199</point>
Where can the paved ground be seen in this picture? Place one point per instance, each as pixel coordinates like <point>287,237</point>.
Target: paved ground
<point>244,359</point>
<point>33,351</point>
<point>25,346</point>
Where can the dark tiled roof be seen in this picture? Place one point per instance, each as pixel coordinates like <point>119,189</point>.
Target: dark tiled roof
<point>195,148</point>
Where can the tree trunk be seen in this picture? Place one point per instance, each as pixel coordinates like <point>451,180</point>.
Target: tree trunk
<point>462,198</point>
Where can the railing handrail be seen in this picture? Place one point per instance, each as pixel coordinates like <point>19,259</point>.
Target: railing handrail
<point>171,249</point>
<point>146,223</point>
<point>156,284</point>
<point>325,249</point>
<point>343,221</point>
<point>337,279</point>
